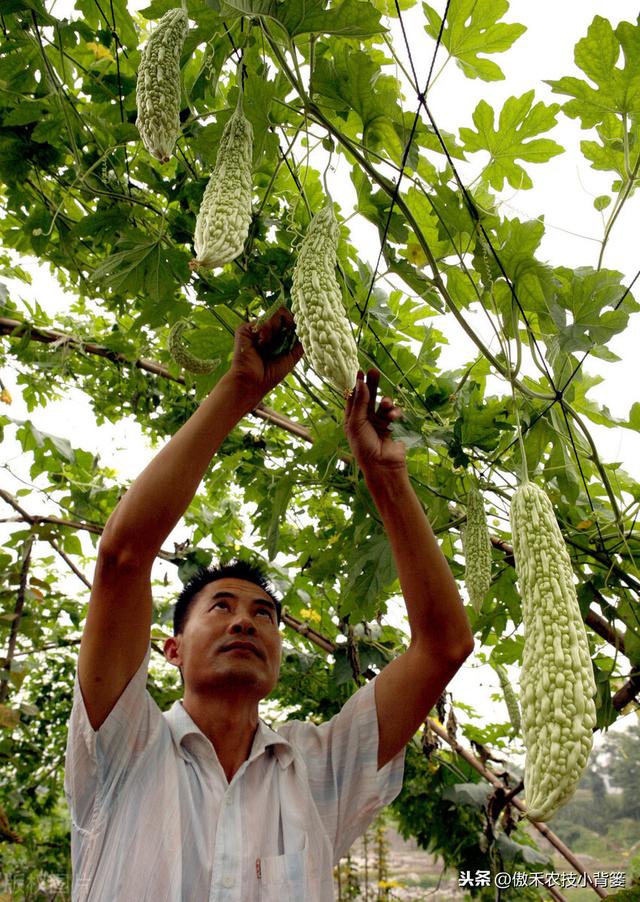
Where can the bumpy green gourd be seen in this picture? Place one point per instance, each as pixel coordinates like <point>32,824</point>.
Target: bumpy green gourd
<point>557,685</point>
<point>224,217</point>
<point>316,304</point>
<point>509,697</point>
<point>181,354</point>
<point>476,545</point>
<point>158,85</point>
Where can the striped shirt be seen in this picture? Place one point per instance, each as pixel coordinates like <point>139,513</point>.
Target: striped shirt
<point>154,818</point>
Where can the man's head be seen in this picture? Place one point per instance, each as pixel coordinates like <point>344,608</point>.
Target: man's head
<point>238,569</point>
<point>226,635</point>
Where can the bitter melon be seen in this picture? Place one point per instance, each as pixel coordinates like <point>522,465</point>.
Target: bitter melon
<point>223,221</point>
<point>182,355</point>
<point>557,685</point>
<point>158,85</point>
<point>316,304</point>
<point>476,545</point>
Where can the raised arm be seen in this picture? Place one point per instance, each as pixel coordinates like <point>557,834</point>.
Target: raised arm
<point>441,637</point>
<point>116,633</point>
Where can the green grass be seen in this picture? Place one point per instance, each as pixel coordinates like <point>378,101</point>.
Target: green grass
<point>610,847</point>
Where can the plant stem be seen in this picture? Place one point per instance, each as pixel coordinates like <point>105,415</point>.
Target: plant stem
<point>597,462</point>
<point>623,194</point>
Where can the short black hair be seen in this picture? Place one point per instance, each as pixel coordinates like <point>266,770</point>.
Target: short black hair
<point>240,569</point>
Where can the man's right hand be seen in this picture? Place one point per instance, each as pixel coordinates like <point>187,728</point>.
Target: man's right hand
<point>253,365</point>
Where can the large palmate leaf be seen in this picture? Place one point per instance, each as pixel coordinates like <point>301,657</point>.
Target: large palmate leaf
<point>353,80</point>
<point>355,18</point>
<point>608,100</point>
<point>514,138</point>
<point>472,28</point>
<point>613,89</point>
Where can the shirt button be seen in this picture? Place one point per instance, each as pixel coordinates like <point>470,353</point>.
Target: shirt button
<point>228,881</point>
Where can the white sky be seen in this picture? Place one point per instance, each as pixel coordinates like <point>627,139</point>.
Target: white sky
<point>563,192</point>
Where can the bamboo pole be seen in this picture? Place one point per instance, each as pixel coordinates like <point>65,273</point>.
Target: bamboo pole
<point>16,328</point>
<point>540,826</point>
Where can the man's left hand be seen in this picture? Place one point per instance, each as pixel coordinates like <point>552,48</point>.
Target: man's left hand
<point>368,430</point>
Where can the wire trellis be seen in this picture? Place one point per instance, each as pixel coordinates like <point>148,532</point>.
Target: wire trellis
<point>476,221</point>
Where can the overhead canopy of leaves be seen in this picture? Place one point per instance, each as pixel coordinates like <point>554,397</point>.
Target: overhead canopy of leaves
<point>321,86</point>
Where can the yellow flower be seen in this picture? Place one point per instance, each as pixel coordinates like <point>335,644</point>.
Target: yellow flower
<point>100,51</point>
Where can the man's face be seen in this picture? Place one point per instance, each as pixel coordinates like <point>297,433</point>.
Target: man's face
<point>225,615</point>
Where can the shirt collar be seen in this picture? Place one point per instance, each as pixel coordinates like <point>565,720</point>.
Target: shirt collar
<point>182,726</point>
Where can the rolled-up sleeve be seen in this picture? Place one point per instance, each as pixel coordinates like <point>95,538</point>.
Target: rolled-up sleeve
<point>341,758</point>
<point>98,761</point>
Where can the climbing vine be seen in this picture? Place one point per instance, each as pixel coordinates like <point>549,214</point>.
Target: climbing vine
<point>334,100</point>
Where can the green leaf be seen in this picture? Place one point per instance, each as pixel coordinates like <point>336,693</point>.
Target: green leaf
<point>190,564</point>
<point>597,413</point>
<point>352,80</point>
<point>49,130</point>
<point>28,111</point>
<point>125,27</point>
<point>513,139</point>
<point>472,28</point>
<point>587,293</point>
<point>259,99</point>
<point>479,424</point>
<point>389,8</point>
<point>606,713</point>
<point>376,205</point>
<point>617,89</point>
<point>516,243</point>
<point>72,544</point>
<point>602,202</point>
<point>634,417</point>
<point>474,794</point>
<point>612,152</point>
<point>143,267</point>
<point>63,446</point>
<point>513,851</point>
<point>351,18</point>
<point>371,570</point>
<point>632,646</point>
<point>41,444</point>
<point>36,6</point>
<point>342,672</point>
<point>279,503</point>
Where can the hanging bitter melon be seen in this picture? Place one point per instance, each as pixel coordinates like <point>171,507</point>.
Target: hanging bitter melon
<point>224,218</point>
<point>557,685</point>
<point>158,85</point>
<point>316,304</point>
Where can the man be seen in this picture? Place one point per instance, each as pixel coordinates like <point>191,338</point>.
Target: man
<point>205,802</point>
